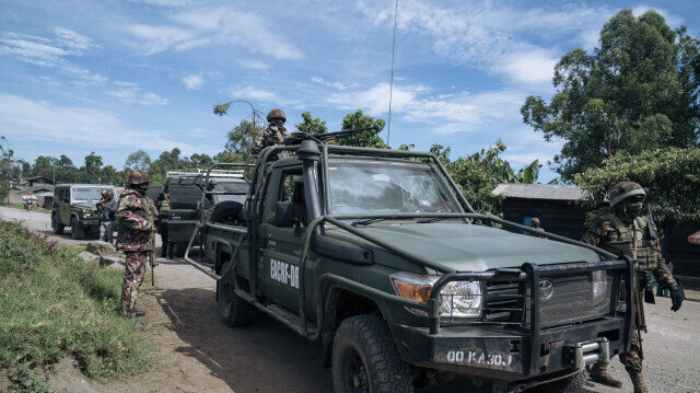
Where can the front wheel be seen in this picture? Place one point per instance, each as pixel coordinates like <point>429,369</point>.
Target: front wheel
<point>76,230</point>
<point>573,384</point>
<point>365,359</point>
<point>56,226</point>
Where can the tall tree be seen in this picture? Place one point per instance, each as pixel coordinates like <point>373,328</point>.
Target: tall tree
<point>358,120</point>
<point>478,174</point>
<point>311,125</point>
<point>93,168</point>
<point>139,161</point>
<point>637,92</point>
<point>242,138</point>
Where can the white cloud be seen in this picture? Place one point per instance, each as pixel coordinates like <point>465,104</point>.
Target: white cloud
<point>531,66</point>
<point>74,40</point>
<point>497,37</point>
<point>335,85</point>
<point>156,39</point>
<point>254,65</point>
<point>375,100</point>
<point>223,25</point>
<point>30,49</point>
<point>193,81</point>
<point>49,122</point>
<point>256,94</point>
<point>131,93</point>
<point>164,3</point>
<point>453,113</point>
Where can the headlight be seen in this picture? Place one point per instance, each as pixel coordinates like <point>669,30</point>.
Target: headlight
<point>461,299</point>
<point>600,286</point>
<point>458,299</point>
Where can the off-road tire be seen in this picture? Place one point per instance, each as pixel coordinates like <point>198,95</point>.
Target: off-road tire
<point>234,311</point>
<point>76,230</point>
<point>573,384</point>
<point>366,338</point>
<point>57,227</point>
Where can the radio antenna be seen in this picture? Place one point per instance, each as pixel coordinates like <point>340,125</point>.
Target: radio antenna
<point>391,78</point>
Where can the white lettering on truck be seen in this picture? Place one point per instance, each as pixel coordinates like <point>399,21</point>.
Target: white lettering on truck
<point>284,273</point>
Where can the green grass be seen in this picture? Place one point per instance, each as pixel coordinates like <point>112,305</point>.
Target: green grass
<point>54,305</point>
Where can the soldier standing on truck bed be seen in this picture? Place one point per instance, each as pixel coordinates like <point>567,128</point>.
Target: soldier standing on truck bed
<point>136,218</point>
<point>275,132</point>
<point>627,230</point>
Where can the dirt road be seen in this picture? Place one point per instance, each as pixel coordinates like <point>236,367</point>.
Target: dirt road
<point>198,353</point>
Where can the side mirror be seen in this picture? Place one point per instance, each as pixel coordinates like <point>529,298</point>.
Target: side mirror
<point>283,214</point>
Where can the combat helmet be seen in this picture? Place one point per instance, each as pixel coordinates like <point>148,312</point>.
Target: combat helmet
<point>623,190</point>
<point>136,178</point>
<point>276,114</point>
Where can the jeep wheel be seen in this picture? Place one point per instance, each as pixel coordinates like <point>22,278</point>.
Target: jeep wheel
<point>76,231</point>
<point>56,226</point>
<point>365,359</point>
<point>573,384</point>
<point>233,309</point>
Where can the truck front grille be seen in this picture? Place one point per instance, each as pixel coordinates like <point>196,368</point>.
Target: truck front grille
<point>565,300</point>
<point>504,303</point>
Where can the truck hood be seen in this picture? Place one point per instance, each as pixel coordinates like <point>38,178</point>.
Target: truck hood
<point>472,247</point>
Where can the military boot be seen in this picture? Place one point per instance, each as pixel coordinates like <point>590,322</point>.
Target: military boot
<point>599,373</point>
<point>133,313</point>
<point>639,382</point>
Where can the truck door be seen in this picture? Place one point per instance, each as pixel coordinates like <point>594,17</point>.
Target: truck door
<point>64,206</point>
<point>282,235</point>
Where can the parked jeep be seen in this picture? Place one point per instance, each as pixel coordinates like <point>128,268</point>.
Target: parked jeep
<point>377,256</point>
<point>74,206</point>
<point>178,205</point>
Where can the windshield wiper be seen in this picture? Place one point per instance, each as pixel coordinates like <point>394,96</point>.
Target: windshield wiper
<point>367,221</point>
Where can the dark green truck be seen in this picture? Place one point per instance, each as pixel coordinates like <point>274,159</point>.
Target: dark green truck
<point>377,256</point>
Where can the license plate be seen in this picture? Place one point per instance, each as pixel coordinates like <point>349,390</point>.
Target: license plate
<point>495,360</point>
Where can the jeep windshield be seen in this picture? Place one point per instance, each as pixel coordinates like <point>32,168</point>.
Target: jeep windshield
<point>380,187</point>
<point>87,195</point>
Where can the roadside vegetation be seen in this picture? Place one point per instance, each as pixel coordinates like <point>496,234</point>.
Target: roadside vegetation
<point>54,305</point>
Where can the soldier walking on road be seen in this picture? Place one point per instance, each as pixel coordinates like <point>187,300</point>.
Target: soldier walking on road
<point>627,230</point>
<point>275,132</point>
<point>108,211</point>
<point>136,219</point>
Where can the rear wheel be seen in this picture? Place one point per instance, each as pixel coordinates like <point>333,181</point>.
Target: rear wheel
<point>76,230</point>
<point>56,226</point>
<point>233,309</point>
<point>365,359</point>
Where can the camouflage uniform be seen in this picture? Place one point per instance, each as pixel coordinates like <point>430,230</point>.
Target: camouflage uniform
<point>625,233</point>
<point>136,220</point>
<point>275,132</point>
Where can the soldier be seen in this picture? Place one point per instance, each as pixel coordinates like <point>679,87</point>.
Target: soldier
<point>275,132</point>
<point>108,208</point>
<point>136,219</point>
<point>626,230</point>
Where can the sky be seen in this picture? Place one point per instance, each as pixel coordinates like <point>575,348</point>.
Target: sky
<point>117,76</point>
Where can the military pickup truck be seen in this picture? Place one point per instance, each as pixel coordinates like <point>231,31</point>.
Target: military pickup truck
<point>378,257</point>
<point>75,206</point>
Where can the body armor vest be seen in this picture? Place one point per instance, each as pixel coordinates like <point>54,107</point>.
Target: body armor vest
<point>637,240</point>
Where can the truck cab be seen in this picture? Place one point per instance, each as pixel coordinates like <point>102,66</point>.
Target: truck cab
<point>377,256</point>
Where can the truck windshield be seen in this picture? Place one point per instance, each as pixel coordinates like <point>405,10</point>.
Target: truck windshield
<point>387,187</point>
<point>90,195</point>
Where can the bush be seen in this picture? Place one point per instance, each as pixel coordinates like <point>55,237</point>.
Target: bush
<point>671,177</point>
<point>53,305</point>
